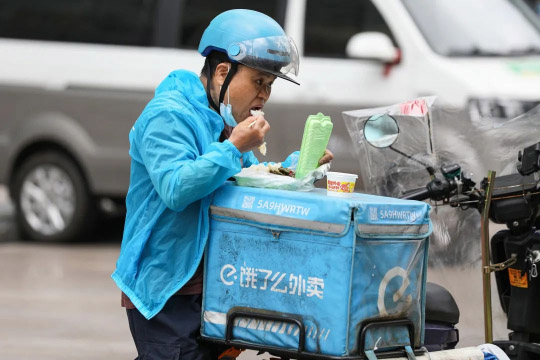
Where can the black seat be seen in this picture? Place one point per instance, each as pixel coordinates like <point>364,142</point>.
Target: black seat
<point>440,305</point>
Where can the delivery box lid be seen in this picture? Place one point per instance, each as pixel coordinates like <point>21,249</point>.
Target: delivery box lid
<point>316,211</point>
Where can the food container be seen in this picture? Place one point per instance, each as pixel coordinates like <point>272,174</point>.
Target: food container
<point>340,184</point>
<point>314,141</point>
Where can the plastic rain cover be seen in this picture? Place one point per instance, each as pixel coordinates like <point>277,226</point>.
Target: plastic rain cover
<point>436,136</point>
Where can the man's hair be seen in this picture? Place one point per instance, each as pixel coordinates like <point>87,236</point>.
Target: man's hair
<point>212,61</point>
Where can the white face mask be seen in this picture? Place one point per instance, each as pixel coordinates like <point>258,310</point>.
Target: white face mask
<point>226,110</point>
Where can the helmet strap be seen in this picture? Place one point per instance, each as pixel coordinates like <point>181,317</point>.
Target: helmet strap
<point>224,87</point>
<point>208,96</point>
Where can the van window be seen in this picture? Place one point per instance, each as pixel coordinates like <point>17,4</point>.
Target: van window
<point>196,15</point>
<point>329,25</point>
<point>122,22</point>
<point>501,29</point>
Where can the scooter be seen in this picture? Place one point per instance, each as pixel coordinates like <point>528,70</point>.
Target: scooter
<point>513,200</point>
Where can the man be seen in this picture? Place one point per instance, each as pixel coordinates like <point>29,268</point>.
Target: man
<point>183,147</point>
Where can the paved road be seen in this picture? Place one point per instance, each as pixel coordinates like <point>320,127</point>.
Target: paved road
<point>57,303</point>
<point>57,300</point>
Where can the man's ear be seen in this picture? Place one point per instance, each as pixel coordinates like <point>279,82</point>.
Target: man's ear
<point>221,72</point>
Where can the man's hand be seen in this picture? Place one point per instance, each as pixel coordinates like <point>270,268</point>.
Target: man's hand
<point>326,158</point>
<point>249,134</point>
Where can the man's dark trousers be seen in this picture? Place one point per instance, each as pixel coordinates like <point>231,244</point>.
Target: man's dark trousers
<point>172,334</point>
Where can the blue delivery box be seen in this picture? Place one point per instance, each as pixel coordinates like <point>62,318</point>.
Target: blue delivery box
<point>308,273</point>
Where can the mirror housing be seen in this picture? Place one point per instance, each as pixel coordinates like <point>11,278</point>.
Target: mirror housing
<point>381,130</point>
<point>372,46</point>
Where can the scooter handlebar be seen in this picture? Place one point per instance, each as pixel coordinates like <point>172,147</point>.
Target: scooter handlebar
<point>417,194</point>
<point>436,189</point>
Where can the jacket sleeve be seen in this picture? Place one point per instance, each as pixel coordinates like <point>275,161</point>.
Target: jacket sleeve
<point>249,159</point>
<point>170,148</point>
<point>291,160</point>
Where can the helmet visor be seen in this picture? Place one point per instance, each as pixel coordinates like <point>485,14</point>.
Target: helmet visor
<point>276,55</point>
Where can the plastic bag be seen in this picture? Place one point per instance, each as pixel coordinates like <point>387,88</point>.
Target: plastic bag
<point>383,171</point>
<point>255,178</point>
<point>389,173</point>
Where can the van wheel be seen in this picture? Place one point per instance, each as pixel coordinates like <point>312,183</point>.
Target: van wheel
<point>51,198</point>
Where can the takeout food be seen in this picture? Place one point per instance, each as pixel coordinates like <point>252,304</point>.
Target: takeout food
<point>272,168</point>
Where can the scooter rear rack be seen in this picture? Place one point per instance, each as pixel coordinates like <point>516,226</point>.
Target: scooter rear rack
<point>300,352</point>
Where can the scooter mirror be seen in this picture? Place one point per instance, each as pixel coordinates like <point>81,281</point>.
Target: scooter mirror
<point>381,130</point>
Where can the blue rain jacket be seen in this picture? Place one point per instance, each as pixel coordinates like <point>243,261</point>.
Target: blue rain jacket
<point>176,164</point>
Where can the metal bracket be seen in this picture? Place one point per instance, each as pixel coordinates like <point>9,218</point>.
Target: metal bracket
<point>501,266</point>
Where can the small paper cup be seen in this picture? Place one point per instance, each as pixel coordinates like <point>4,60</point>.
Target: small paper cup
<point>340,184</point>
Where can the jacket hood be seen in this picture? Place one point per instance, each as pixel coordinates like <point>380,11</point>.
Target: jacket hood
<point>190,87</point>
<point>186,82</point>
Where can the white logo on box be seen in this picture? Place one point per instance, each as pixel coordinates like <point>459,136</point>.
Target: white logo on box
<point>276,281</point>
<point>402,302</point>
<point>248,201</point>
<point>282,208</point>
<point>373,214</point>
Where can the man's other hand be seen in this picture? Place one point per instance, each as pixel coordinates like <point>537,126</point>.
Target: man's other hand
<point>326,158</point>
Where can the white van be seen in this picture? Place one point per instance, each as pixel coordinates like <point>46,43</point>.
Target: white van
<point>75,75</point>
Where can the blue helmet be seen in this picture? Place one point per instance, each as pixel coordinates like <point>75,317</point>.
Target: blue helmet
<point>253,39</point>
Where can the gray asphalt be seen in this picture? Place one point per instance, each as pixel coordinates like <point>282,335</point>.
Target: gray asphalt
<point>58,302</point>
